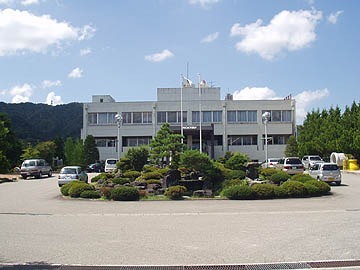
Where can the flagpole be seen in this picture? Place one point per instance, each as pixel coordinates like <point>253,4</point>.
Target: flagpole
<point>181,110</point>
<point>200,111</point>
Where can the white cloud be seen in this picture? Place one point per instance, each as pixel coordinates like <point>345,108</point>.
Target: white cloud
<point>48,84</point>
<point>305,99</point>
<point>211,37</point>
<point>254,93</point>
<point>76,73</point>
<point>85,51</point>
<point>22,31</point>
<point>288,30</point>
<point>20,93</point>
<point>333,17</point>
<point>29,2</point>
<point>87,32</point>
<point>157,57</point>
<point>203,3</point>
<point>52,99</point>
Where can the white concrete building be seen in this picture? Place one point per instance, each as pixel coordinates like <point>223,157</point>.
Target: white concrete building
<point>227,125</point>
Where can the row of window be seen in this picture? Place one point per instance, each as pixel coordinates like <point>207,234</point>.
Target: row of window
<point>232,140</point>
<point>175,117</point>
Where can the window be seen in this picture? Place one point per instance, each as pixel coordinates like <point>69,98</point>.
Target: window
<point>172,117</point>
<point>276,116</point>
<point>206,117</point>
<point>105,142</point>
<point>137,117</point>
<point>252,116</point>
<point>286,116</point>
<point>136,141</point>
<point>100,142</point>
<point>161,117</point>
<point>231,116</point>
<point>242,116</point>
<point>92,118</point>
<point>184,117</point>
<point>111,142</point>
<point>102,118</point>
<point>147,117</point>
<point>127,117</point>
<point>195,117</point>
<point>242,140</point>
<point>111,117</point>
<point>217,116</point>
<point>278,139</point>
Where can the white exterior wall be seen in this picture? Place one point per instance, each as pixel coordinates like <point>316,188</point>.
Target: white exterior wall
<point>210,101</point>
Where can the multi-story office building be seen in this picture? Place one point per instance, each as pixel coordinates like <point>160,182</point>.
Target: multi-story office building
<point>226,125</point>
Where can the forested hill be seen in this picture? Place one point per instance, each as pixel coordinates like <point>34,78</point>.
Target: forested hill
<point>41,122</point>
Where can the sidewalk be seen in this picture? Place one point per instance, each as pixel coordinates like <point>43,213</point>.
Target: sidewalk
<point>350,172</point>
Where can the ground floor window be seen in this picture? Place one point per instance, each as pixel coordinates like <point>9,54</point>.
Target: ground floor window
<point>242,139</point>
<point>105,141</point>
<point>277,139</point>
<point>132,141</point>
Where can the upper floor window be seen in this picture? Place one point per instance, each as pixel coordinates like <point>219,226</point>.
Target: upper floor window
<point>137,117</point>
<point>171,117</point>
<point>242,116</point>
<point>101,118</point>
<point>279,115</point>
<point>242,140</point>
<point>207,116</point>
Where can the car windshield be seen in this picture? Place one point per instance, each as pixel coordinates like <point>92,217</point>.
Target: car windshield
<point>315,158</point>
<point>29,164</point>
<point>330,167</point>
<point>68,171</point>
<point>293,161</point>
<point>112,161</point>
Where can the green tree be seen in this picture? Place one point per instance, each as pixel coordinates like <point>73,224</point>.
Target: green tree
<point>30,152</point>
<point>291,149</point>
<point>237,161</point>
<point>46,150</point>
<point>78,154</point>
<point>91,153</point>
<point>59,147</point>
<point>138,157</point>
<point>166,146</point>
<point>69,151</point>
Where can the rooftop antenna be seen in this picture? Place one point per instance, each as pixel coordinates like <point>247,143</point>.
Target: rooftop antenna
<point>187,70</point>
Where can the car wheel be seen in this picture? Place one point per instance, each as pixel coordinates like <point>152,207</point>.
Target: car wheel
<point>24,177</point>
<point>50,173</point>
<point>38,176</point>
<point>338,183</point>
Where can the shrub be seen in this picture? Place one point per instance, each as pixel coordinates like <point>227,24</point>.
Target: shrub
<point>239,192</point>
<point>120,181</point>
<point>90,194</point>
<point>124,194</point>
<point>323,187</point>
<point>234,174</point>
<point>106,192</point>
<point>149,168</point>
<point>231,182</point>
<point>123,165</point>
<point>76,189</point>
<point>280,192</point>
<point>132,175</point>
<point>279,177</point>
<point>237,161</point>
<point>152,175</point>
<point>65,188</point>
<point>96,178</point>
<point>294,189</point>
<point>303,178</point>
<point>175,192</point>
<point>268,172</point>
<point>153,181</point>
<point>312,190</point>
<point>263,191</point>
<point>163,171</point>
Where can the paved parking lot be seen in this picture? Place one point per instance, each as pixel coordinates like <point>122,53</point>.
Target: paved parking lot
<point>38,225</point>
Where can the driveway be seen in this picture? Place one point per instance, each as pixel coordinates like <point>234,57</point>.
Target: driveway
<point>39,225</point>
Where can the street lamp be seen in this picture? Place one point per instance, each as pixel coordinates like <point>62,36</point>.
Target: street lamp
<point>266,117</point>
<point>118,119</point>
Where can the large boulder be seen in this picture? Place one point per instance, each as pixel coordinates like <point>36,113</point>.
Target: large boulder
<point>171,178</point>
<point>252,169</point>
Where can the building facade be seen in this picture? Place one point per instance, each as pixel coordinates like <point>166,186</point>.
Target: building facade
<point>226,125</point>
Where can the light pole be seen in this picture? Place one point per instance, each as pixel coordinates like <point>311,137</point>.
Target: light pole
<point>118,119</point>
<point>266,117</point>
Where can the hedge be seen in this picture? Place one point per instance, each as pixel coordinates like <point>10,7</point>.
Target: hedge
<point>239,192</point>
<point>279,177</point>
<point>303,178</point>
<point>90,194</point>
<point>75,190</point>
<point>294,189</point>
<point>263,191</point>
<point>132,175</point>
<point>323,187</point>
<point>268,172</point>
<point>175,192</point>
<point>65,188</point>
<point>124,194</point>
<point>121,181</point>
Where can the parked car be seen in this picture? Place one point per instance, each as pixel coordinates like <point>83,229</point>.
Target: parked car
<point>110,165</point>
<point>291,165</point>
<point>95,167</point>
<point>327,172</point>
<point>71,173</point>
<point>270,163</point>
<point>36,168</point>
<point>309,161</point>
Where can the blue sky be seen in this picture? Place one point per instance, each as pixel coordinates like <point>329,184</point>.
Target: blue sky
<point>66,51</point>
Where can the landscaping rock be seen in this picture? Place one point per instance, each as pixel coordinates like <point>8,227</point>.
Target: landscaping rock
<point>171,179</point>
<point>202,193</point>
<point>252,169</point>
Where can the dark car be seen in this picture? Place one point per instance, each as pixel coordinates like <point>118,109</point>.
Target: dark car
<point>95,167</point>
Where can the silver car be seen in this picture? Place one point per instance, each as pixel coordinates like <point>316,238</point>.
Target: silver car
<point>36,168</point>
<point>71,173</point>
<point>291,165</point>
<point>327,172</point>
<point>309,161</point>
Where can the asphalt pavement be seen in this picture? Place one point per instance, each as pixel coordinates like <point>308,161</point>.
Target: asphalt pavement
<point>39,225</point>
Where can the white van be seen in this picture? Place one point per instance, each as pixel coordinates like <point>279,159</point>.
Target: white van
<point>110,165</point>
